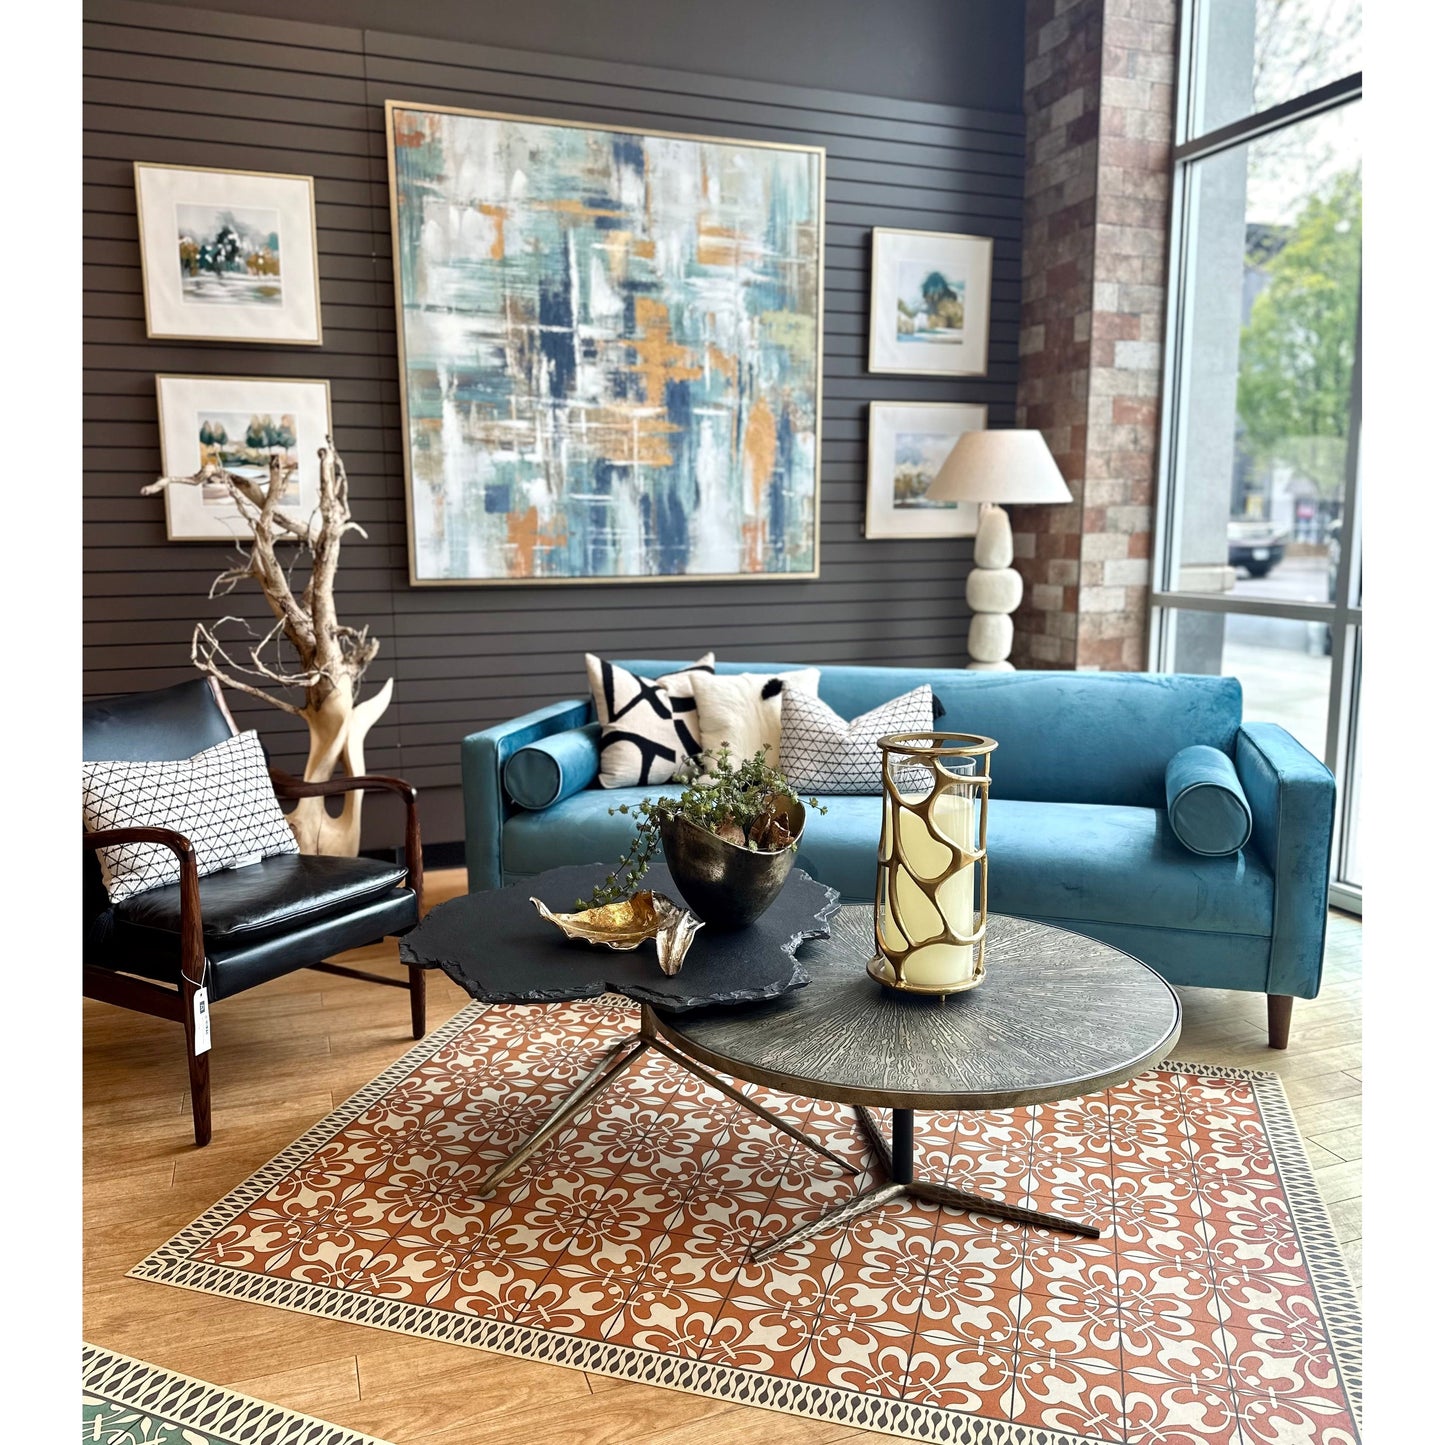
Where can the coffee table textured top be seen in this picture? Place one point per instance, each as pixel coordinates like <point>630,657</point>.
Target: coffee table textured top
<point>1057,1016</point>
<point>497,947</point>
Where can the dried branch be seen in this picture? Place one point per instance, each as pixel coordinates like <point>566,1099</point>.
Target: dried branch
<point>330,657</point>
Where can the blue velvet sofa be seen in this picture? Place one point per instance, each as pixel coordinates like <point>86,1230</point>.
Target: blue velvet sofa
<point>1078,833</point>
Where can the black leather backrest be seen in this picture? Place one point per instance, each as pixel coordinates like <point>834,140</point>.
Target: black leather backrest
<point>162,726</point>
<point>174,722</point>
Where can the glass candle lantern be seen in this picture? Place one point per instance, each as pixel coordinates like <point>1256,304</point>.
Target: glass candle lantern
<point>930,914</point>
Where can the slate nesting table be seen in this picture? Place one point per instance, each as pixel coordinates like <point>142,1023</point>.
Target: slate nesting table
<point>1060,1015</point>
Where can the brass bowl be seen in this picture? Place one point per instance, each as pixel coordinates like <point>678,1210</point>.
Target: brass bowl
<point>727,886</point>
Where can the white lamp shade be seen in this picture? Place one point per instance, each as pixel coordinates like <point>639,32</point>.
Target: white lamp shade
<point>1002,467</point>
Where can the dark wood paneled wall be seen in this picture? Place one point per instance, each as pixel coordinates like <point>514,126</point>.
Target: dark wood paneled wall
<point>196,87</point>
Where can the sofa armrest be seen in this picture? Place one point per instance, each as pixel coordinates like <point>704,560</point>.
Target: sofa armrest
<point>485,806</point>
<point>1292,796</point>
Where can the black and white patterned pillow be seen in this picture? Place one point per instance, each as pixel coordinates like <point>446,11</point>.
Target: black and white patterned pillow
<point>823,753</point>
<point>649,724</point>
<point>221,799</point>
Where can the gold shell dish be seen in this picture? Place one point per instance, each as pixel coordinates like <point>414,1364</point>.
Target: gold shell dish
<point>625,925</point>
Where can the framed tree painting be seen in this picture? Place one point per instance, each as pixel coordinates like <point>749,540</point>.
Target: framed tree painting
<point>228,255</point>
<point>238,424</point>
<point>929,303</point>
<point>907,442</point>
<point>610,346</point>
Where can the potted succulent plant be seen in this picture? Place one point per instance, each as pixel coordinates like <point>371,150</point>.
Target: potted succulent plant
<point>730,838</point>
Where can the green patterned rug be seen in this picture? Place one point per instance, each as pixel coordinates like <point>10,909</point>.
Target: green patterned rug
<point>128,1402</point>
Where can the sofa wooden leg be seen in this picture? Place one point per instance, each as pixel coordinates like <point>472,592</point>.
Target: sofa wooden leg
<point>200,1069</point>
<point>1280,1005</point>
<point>418,1000</point>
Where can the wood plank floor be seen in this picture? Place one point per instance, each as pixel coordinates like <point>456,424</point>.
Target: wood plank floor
<point>288,1052</point>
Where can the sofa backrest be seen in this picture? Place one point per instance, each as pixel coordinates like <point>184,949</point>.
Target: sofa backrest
<point>1064,737</point>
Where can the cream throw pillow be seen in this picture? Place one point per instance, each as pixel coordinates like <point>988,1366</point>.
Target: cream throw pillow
<point>745,709</point>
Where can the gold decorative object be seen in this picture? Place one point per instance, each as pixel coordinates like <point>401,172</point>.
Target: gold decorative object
<point>624,926</point>
<point>674,936</point>
<point>930,913</point>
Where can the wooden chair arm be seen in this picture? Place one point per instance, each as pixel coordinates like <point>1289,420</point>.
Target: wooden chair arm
<point>193,944</point>
<point>290,787</point>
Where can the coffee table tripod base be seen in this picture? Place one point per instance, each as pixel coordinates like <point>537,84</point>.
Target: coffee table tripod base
<point>617,1056</point>
<point>899,1163</point>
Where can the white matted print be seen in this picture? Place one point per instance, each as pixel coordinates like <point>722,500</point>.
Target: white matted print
<point>238,424</point>
<point>930,302</point>
<point>907,442</point>
<point>228,255</point>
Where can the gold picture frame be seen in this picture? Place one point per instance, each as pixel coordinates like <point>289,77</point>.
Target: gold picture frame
<point>228,255</point>
<point>929,303</point>
<point>192,411</point>
<point>907,442</point>
<point>423,570</point>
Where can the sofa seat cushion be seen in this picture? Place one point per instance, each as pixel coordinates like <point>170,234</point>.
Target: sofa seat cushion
<point>1065,862</point>
<point>244,905</point>
<point>1090,863</point>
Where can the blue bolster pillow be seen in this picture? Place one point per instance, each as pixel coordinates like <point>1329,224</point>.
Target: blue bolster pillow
<point>1207,807</point>
<point>555,767</point>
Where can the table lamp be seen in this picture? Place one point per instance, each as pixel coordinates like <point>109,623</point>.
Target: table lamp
<point>991,468</point>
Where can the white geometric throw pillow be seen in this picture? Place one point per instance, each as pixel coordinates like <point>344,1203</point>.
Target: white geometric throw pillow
<point>822,753</point>
<point>745,710</point>
<point>221,799</point>
<point>649,724</point>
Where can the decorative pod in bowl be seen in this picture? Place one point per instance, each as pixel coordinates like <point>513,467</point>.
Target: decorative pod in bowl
<point>731,881</point>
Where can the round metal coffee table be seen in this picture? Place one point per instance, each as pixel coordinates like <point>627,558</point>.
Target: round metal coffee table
<point>1060,1015</point>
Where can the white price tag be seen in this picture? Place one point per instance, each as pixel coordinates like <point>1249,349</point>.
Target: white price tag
<point>202,1013</point>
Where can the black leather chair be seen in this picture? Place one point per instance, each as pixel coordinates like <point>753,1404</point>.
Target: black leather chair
<point>234,929</point>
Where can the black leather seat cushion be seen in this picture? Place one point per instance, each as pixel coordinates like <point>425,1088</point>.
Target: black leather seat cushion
<point>276,895</point>
<point>259,921</point>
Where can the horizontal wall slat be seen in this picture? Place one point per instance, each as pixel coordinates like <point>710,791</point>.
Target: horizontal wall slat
<point>193,87</point>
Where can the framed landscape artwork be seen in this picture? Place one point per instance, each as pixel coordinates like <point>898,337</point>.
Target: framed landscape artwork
<point>907,442</point>
<point>237,423</point>
<point>929,303</point>
<point>228,255</point>
<point>610,346</point>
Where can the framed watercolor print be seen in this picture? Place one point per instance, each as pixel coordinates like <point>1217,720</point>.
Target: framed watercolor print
<point>907,442</point>
<point>228,255</point>
<point>928,312</point>
<point>611,350</point>
<point>237,423</point>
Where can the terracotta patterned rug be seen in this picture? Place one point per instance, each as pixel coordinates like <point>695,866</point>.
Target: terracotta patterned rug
<point>1215,1308</point>
<point>128,1402</point>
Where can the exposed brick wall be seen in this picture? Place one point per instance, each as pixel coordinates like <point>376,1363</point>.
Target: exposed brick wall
<point>1098,97</point>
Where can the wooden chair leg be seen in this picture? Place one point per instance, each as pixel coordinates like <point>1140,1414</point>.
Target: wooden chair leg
<point>418,1000</point>
<point>1280,1006</point>
<point>200,1069</point>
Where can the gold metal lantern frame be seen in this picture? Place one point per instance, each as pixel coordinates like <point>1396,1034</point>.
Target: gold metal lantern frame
<point>930,914</point>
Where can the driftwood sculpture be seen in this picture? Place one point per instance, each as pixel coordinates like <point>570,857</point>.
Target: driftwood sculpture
<point>330,659</point>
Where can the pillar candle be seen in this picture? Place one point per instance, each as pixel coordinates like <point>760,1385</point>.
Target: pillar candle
<point>932,964</point>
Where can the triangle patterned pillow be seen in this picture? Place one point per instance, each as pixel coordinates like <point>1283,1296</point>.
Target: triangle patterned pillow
<point>221,799</point>
<point>823,753</point>
<point>649,724</point>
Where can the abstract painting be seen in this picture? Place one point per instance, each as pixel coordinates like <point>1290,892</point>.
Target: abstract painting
<point>238,424</point>
<point>907,443</point>
<point>930,303</point>
<point>610,346</point>
<point>228,255</point>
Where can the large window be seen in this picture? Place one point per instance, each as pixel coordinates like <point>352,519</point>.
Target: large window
<point>1256,571</point>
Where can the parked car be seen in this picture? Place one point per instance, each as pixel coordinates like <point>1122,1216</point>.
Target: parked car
<point>1257,546</point>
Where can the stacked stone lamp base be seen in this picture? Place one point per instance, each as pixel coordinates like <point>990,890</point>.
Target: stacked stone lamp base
<point>993,591</point>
